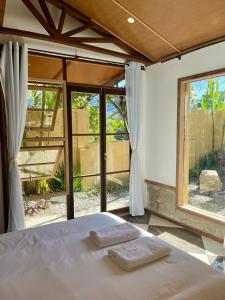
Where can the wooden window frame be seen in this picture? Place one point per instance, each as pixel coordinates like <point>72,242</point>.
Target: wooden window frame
<point>102,91</point>
<point>54,111</point>
<point>182,160</point>
<point>64,147</point>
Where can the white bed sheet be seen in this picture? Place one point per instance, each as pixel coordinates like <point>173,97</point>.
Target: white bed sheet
<point>58,262</point>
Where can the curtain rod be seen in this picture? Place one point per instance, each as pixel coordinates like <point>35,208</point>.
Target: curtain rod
<point>78,57</point>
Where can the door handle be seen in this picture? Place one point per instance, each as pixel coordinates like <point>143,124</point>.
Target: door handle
<point>105,156</point>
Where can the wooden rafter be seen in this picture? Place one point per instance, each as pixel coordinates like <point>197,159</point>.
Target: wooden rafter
<point>47,14</point>
<point>62,20</point>
<point>2,11</point>
<point>77,30</point>
<point>70,42</point>
<point>69,10</point>
<point>38,16</point>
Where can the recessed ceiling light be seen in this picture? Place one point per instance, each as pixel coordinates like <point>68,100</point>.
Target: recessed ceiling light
<point>130,20</point>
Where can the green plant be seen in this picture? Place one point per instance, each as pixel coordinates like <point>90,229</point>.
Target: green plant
<point>76,181</point>
<point>57,184</point>
<point>43,187</point>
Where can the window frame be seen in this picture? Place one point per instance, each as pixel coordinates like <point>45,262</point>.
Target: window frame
<point>181,157</point>
<point>63,139</point>
<point>102,91</point>
<point>55,110</point>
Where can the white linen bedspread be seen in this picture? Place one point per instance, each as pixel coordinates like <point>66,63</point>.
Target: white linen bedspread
<point>58,262</point>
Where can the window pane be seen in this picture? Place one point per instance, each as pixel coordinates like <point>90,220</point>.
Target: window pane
<point>86,157</point>
<point>85,113</point>
<point>116,114</point>
<point>204,151</point>
<point>38,156</point>
<point>38,163</point>
<point>117,190</point>
<point>29,172</point>
<point>86,195</point>
<point>118,153</point>
<point>44,186</point>
<point>43,103</point>
<point>39,119</point>
<point>43,96</point>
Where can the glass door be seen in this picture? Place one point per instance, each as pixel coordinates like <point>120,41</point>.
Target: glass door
<point>117,152</point>
<point>85,110</point>
<point>99,151</point>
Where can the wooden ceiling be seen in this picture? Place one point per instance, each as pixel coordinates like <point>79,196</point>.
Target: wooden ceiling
<point>162,28</point>
<point>81,72</point>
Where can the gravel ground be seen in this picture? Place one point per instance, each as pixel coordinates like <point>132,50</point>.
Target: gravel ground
<point>210,201</point>
<point>83,201</point>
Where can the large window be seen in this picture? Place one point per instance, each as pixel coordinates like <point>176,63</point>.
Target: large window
<point>201,144</point>
<point>75,153</point>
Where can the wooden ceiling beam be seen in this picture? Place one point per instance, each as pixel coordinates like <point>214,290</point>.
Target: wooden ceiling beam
<point>47,14</point>
<point>70,11</point>
<point>2,11</point>
<point>77,30</point>
<point>146,25</point>
<point>60,39</point>
<point>38,16</point>
<point>62,20</point>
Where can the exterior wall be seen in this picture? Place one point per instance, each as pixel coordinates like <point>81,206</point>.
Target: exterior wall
<point>160,113</point>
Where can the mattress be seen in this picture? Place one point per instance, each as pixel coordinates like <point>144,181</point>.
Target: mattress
<point>58,262</point>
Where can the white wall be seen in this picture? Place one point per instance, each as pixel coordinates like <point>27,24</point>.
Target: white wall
<point>160,110</point>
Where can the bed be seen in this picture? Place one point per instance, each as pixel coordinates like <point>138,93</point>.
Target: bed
<point>58,262</point>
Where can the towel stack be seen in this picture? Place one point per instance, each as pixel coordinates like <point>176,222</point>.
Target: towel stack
<point>114,235</point>
<point>134,251</point>
<point>138,252</point>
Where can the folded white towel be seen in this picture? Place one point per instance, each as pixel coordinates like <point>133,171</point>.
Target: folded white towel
<point>139,252</point>
<point>114,234</point>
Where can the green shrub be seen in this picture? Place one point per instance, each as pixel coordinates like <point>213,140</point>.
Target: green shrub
<point>76,181</point>
<point>57,184</point>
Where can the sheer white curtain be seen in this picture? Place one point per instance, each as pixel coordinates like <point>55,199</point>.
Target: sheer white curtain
<point>14,78</point>
<point>133,94</point>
